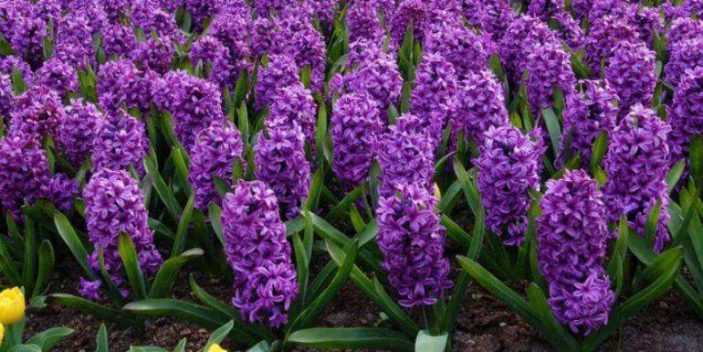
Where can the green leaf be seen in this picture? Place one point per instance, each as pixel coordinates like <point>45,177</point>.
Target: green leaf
<point>130,261</point>
<point>302,267</point>
<point>650,228</point>
<point>243,121</point>
<point>166,276</point>
<point>181,347</point>
<point>69,236</point>
<point>351,338</point>
<point>308,316</point>
<point>425,341</point>
<point>7,266</point>
<point>263,346</point>
<point>696,159</point>
<point>552,122</point>
<point>19,86</point>
<point>25,348</point>
<point>318,181</point>
<point>187,311</point>
<point>344,204</point>
<point>182,230</point>
<point>214,215</point>
<point>554,332</point>
<point>48,339</point>
<point>162,189</point>
<point>600,147</point>
<point>616,267</point>
<point>101,341</point>
<point>674,175</point>
<point>321,131</point>
<point>45,267</point>
<point>97,310</point>
<point>219,335</point>
<point>30,251</point>
<point>241,89</point>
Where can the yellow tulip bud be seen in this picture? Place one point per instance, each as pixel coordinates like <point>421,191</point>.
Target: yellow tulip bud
<point>11,306</point>
<point>216,348</point>
<point>2,333</point>
<point>437,192</point>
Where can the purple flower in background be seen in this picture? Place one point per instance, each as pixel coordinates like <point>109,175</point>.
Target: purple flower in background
<point>460,46</point>
<point>26,31</point>
<point>119,85</point>
<point>265,7</point>
<point>215,60</point>
<point>280,72</point>
<point>363,22</point>
<point>545,9</point>
<point>549,68</point>
<point>494,16</point>
<point>522,37</point>
<point>120,143</point>
<point>606,33</point>
<point>648,22</point>
<point>325,10</point>
<point>150,17</point>
<point>115,8</point>
<point>74,41</point>
<point>415,13</point>
<point>201,10</point>
<point>377,75</point>
<point>92,10</point>
<point>405,154</point>
<point>118,40</point>
<point>588,114</point>
<point>636,164</point>
<point>631,72</point>
<point>213,155</point>
<point>480,104</point>
<point>293,106</point>
<point>412,242</point>
<point>10,63</point>
<point>37,112</point>
<point>114,204</point>
<point>685,55</point>
<point>280,163</point>
<point>155,54</point>
<point>433,99</point>
<point>257,251</point>
<point>194,104</point>
<point>571,246</point>
<point>261,36</point>
<point>508,167</point>
<point>355,124</point>
<point>686,113</point>
<point>6,97</point>
<point>233,29</point>
<point>77,130</point>
<point>61,191</point>
<point>682,29</point>
<point>24,171</point>
<point>59,76</point>
<point>569,30</point>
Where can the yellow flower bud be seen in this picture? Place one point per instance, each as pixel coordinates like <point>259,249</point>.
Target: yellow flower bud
<point>437,192</point>
<point>11,306</point>
<point>216,348</point>
<point>2,333</point>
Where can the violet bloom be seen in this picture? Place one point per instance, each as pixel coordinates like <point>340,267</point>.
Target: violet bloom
<point>571,245</point>
<point>37,112</point>
<point>433,99</point>
<point>118,40</point>
<point>150,17</point>
<point>415,13</point>
<point>405,154</point>
<point>6,97</point>
<point>588,114</point>
<point>520,38</point>
<point>257,251</point>
<point>636,164</point>
<point>686,113</point>
<point>494,17</point>
<point>233,29</point>
<point>508,168</point>
<point>412,242</point>
<point>460,46</point>
<point>201,10</point>
<point>354,126</point>
<point>549,69</point>
<point>631,72</point>
<point>117,85</point>
<point>605,34</point>
<point>325,10</point>
<point>25,30</point>
<point>280,72</point>
<point>24,171</point>
<point>569,30</point>
<point>280,162</point>
<point>214,153</point>
<point>9,64</point>
<point>682,29</point>
<point>77,130</point>
<point>265,7</point>
<point>685,55</point>
<point>74,41</point>
<point>480,104</point>
<point>363,22</point>
<point>114,204</point>
<point>545,9</point>
<point>194,104</point>
<point>293,106</point>
<point>155,54</point>
<point>215,60</point>
<point>59,76</point>
<point>61,190</point>
<point>120,143</point>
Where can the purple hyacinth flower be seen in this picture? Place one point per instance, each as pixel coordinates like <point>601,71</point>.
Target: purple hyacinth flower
<point>74,41</point>
<point>412,242</point>
<point>685,55</point>
<point>24,171</point>
<point>114,204</point>
<point>606,33</point>
<point>508,168</point>
<point>155,54</point>
<point>460,46</point>
<point>354,126</point>
<point>630,70</point>
<point>363,22</point>
<point>10,63</point>
<point>215,60</point>
<point>549,69</point>
<point>6,97</point>
<point>120,143</point>
<point>214,153</point>
<point>280,163</point>
<point>294,106</point>
<point>257,251</point>
<point>280,72</point>
<point>77,130</point>
<point>480,104</point>
<point>571,246</point>
<point>636,165</point>
<point>686,113</point>
<point>118,40</point>
<point>522,37</point>
<point>59,76</point>
<point>433,99</point>
<point>37,112</point>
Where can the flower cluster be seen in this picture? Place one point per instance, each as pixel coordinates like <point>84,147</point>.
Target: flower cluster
<point>24,170</point>
<point>480,104</point>
<point>508,167</point>
<point>434,98</point>
<point>256,248</point>
<point>77,130</point>
<point>686,114</point>
<point>636,165</point>
<point>293,106</point>
<point>571,246</point>
<point>120,142</point>
<point>114,205</point>
<point>630,71</point>
<point>412,242</point>
<point>37,112</point>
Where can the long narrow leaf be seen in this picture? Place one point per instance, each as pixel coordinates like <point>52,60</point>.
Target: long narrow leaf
<point>351,338</point>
